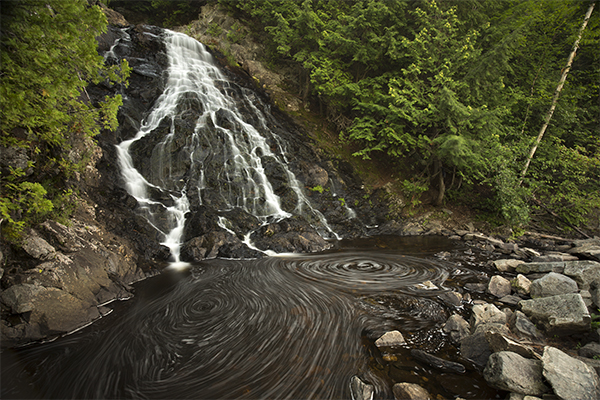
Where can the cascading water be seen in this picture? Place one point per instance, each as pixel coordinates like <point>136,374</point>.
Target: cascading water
<point>238,144</point>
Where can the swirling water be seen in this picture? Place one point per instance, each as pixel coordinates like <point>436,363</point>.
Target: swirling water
<point>289,327</point>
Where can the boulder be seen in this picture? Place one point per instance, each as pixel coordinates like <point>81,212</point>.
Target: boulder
<point>511,300</point>
<point>499,286</point>
<point>589,248</point>
<point>486,314</point>
<point>590,350</point>
<point>506,265</point>
<point>509,371</point>
<point>529,268</point>
<point>499,342</point>
<point>361,390</point>
<point>521,285</point>
<point>56,311</point>
<point>570,378</point>
<point>555,256</point>
<point>391,339</point>
<point>437,362</point>
<point>410,391</point>
<point>457,328</point>
<point>522,326</point>
<point>476,349</point>
<point>20,298</point>
<point>453,299</point>
<point>564,314</point>
<point>552,284</point>
<point>584,273</point>
<point>37,247</point>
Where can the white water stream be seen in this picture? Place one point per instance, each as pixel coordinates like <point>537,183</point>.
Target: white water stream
<point>192,72</point>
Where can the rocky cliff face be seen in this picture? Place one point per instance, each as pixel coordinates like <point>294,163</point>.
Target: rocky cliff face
<point>63,275</point>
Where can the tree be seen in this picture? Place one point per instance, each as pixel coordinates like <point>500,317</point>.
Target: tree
<point>561,83</point>
<point>48,58</point>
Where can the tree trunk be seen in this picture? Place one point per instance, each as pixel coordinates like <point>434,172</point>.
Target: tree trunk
<point>441,184</point>
<point>561,83</point>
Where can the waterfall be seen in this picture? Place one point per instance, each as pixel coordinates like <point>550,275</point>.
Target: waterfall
<point>202,143</point>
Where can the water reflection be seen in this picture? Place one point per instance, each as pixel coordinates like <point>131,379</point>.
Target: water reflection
<point>280,327</point>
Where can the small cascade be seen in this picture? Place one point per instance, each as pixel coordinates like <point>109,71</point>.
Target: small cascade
<point>206,137</point>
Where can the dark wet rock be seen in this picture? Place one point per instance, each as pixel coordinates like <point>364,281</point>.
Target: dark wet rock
<point>476,349</point>
<point>511,372</point>
<point>361,390</point>
<point>391,339</point>
<point>564,314</point>
<point>510,300</point>
<point>522,326</point>
<point>405,305</point>
<point>216,244</point>
<point>437,362</point>
<point>590,350</point>
<point>476,287</point>
<point>552,284</point>
<point>288,236</point>
<point>571,379</point>
<point>499,286</point>
<point>457,328</point>
<point>453,299</point>
<point>410,391</point>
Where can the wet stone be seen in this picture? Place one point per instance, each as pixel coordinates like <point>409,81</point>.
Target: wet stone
<point>391,339</point>
<point>410,391</point>
<point>361,390</point>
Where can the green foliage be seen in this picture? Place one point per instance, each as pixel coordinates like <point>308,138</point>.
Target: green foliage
<point>318,189</point>
<point>214,29</point>
<point>454,92</point>
<point>48,58</point>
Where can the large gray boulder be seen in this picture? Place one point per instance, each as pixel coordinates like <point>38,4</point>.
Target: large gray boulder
<point>499,286</point>
<point>522,326</point>
<point>589,248</point>
<point>361,390</point>
<point>391,339</point>
<point>564,314</point>
<point>410,391</point>
<point>584,273</point>
<point>570,378</point>
<point>486,314</point>
<point>509,371</point>
<point>537,267</point>
<point>552,284</point>
<point>457,328</point>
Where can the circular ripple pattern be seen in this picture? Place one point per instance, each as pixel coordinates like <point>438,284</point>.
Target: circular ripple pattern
<point>281,327</point>
<point>369,272</point>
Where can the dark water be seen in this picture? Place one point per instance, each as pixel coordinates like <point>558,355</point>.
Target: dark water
<point>296,327</point>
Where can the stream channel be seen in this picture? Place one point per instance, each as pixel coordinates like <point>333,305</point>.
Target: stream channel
<point>285,327</point>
